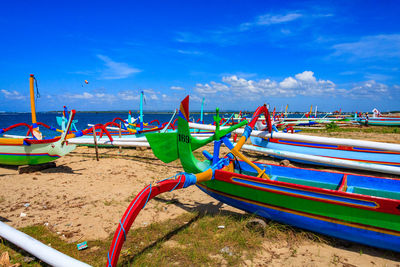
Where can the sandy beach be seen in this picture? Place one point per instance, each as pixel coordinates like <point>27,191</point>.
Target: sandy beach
<point>83,199</point>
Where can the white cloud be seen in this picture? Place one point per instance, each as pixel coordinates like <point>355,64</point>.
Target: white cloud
<point>303,83</point>
<point>116,70</point>
<point>128,95</point>
<point>177,88</point>
<point>306,76</point>
<point>270,19</point>
<point>383,46</point>
<point>92,97</point>
<point>289,83</point>
<point>12,94</point>
<point>190,52</point>
<point>85,95</point>
<point>151,94</point>
<point>234,34</point>
<point>377,76</point>
<point>368,89</point>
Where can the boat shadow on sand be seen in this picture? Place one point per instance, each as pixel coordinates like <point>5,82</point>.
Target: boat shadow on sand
<point>58,169</point>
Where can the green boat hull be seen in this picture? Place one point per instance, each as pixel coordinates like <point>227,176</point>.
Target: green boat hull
<point>33,154</point>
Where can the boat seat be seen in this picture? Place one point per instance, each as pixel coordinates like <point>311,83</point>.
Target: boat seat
<point>373,192</point>
<point>318,184</point>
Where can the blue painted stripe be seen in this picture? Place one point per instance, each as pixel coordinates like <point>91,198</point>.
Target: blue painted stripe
<point>308,193</point>
<point>307,144</point>
<point>362,155</point>
<point>351,233</point>
<point>368,149</point>
<point>180,114</point>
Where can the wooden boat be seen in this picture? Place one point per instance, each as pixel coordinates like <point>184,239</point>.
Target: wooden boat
<point>20,151</point>
<point>131,132</point>
<point>326,151</point>
<point>335,151</point>
<point>379,121</point>
<point>328,148</point>
<point>357,208</point>
<point>33,150</point>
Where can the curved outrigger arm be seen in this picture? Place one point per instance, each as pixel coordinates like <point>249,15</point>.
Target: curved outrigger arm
<point>170,146</point>
<point>247,131</point>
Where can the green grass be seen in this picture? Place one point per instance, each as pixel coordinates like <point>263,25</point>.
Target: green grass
<point>331,127</point>
<point>370,129</point>
<point>191,239</point>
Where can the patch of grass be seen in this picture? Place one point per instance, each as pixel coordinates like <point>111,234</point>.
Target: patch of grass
<point>363,129</point>
<point>107,203</point>
<point>195,242</point>
<point>191,239</point>
<point>332,126</point>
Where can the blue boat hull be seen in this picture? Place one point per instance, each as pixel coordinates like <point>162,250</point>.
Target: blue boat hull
<point>363,236</point>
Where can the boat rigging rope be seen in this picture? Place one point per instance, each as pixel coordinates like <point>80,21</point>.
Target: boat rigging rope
<point>37,88</point>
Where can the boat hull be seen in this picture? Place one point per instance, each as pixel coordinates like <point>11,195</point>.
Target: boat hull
<point>369,220</point>
<point>330,151</point>
<point>380,121</point>
<point>33,154</point>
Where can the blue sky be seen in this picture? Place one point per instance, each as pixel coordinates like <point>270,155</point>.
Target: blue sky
<point>236,54</point>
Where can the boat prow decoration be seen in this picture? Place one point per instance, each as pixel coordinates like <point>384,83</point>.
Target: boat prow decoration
<point>180,145</point>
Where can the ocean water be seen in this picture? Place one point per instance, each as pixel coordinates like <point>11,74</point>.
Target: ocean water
<point>49,118</point>
<point>8,119</point>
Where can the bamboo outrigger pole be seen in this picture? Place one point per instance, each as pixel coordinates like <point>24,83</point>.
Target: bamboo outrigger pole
<point>141,110</point>
<point>32,91</point>
<point>36,133</point>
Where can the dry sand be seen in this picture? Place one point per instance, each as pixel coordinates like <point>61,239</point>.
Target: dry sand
<point>82,199</point>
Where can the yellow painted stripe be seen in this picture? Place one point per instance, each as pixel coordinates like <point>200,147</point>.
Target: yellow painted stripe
<point>11,141</point>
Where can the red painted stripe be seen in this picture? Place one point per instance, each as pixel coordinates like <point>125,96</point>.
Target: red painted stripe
<point>383,204</point>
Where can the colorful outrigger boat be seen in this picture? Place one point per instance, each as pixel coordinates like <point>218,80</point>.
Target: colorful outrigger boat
<point>332,151</point>
<point>352,153</point>
<point>27,151</point>
<point>358,208</point>
<point>326,151</point>
<point>33,150</point>
<point>379,121</point>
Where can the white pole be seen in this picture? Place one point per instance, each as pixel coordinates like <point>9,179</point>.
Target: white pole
<point>38,249</point>
<point>312,139</point>
<point>325,160</point>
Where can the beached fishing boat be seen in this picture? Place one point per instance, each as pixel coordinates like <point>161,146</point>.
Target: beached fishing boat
<point>350,153</point>
<point>18,151</point>
<point>332,149</point>
<point>379,121</point>
<point>357,208</point>
<point>33,150</point>
<point>132,132</point>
